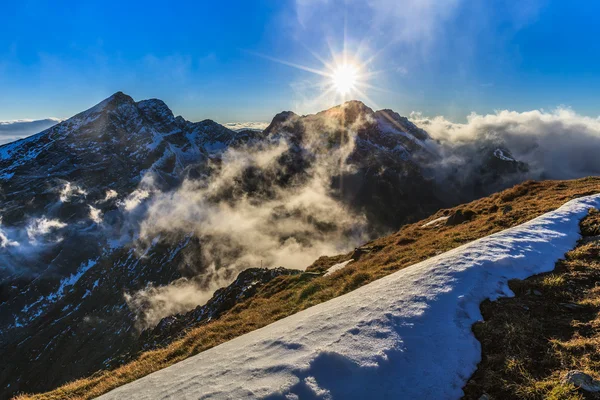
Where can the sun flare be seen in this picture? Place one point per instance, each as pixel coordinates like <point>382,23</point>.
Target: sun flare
<point>344,78</point>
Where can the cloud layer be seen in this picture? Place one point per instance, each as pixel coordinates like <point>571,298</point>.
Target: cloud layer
<point>240,126</point>
<point>560,144</point>
<point>14,130</point>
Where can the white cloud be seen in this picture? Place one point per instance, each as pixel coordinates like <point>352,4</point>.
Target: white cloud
<point>5,241</point>
<point>95,214</point>
<point>410,21</point>
<point>18,129</point>
<point>272,225</point>
<point>134,199</point>
<point>110,194</point>
<point>42,227</point>
<point>560,144</point>
<point>154,303</point>
<point>238,126</point>
<point>69,190</point>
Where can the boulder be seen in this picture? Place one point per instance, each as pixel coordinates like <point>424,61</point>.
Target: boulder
<point>582,381</point>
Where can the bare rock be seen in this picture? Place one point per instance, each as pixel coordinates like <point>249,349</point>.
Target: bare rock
<point>459,217</point>
<point>582,381</point>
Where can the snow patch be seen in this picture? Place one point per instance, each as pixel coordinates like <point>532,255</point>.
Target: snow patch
<point>337,267</point>
<point>434,222</point>
<point>71,280</point>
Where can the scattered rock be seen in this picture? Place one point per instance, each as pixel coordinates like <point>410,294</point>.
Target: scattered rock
<point>459,217</point>
<point>537,292</point>
<point>582,381</point>
<point>506,209</point>
<point>484,397</point>
<point>360,251</point>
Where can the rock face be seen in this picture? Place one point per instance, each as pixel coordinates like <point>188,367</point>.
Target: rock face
<point>582,381</point>
<point>459,217</point>
<point>72,197</point>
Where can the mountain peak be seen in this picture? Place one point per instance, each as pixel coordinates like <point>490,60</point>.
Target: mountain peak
<point>112,102</point>
<point>353,107</point>
<point>280,119</point>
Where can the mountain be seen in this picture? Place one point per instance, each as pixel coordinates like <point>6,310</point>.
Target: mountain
<point>88,219</point>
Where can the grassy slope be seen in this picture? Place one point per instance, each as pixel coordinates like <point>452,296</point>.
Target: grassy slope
<point>551,326</point>
<point>287,295</point>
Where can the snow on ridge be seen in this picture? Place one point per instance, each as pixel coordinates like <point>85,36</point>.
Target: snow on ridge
<point>435,221</point>
<point>407,335</point>
<point>337,267</point>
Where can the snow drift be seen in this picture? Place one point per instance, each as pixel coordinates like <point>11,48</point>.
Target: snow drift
<point>407,335</point>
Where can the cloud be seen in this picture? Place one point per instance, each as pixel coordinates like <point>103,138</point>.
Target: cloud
<point>18,129</point>
<point>154,303</point>
<point>69,191</point>
<point>110,194</point>
<point>239,126</point>
<point>417,22</point>
<point>559,144</point>
<point>254,209</point>
<point>5,241</point>
<point>43,227</point>
<point>133,200</point>
<point>95,214</point>
<point>412,21</point>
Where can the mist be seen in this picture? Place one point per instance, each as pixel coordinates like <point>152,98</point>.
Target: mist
<point>252,210</point>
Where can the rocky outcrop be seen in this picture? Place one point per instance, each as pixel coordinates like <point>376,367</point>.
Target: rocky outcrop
<point>582,381</point>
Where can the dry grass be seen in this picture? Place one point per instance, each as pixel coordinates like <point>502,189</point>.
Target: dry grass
<point>551,326</point>
<point>287,295</point>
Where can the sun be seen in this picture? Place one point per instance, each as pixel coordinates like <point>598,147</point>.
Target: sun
<point>344,78</point>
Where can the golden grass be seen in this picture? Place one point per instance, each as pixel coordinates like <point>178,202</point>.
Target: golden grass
<point>551,326</point>
<point>287,295</point>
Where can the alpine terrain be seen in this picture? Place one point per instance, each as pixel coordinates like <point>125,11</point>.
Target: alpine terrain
<point>124,226</point>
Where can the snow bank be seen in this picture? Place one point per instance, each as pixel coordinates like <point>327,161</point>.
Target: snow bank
<point>337,267</point>
<point>435,222</point>
<point>405,336</point>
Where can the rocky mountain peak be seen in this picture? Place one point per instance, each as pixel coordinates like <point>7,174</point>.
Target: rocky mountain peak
<point>112,102</point>
<point>348,113</point>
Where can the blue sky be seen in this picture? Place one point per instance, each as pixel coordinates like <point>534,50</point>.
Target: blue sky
<point>212,59</point>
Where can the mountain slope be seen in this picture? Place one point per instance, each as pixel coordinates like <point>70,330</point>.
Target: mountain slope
<point>408,333</point>
<point>285,296</point>
<point>68,197</point>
